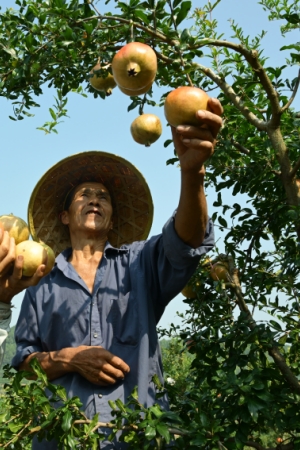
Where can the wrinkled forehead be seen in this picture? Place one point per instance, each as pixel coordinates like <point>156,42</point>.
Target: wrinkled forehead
<point>90,185</point>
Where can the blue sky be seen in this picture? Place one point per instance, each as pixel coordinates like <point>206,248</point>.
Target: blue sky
<point>27,153</point>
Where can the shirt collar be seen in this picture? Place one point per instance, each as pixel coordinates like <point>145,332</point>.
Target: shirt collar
<point>63,257</point>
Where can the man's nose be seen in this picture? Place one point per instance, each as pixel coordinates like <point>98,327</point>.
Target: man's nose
<point>94,200</point>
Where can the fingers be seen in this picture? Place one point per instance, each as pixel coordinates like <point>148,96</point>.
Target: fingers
<point>99,365</point>
<point>213,121</point>
<point>36,277</point>
<point>119,364</point>
<point>215,106</point>
<point>7,253</point>
<point>194,133</point>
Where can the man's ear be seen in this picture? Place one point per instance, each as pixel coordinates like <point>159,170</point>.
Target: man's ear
<point>64,217</point>
<point>111,225</point>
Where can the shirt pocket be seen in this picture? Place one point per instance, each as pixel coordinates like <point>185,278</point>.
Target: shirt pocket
<point>124,320</point>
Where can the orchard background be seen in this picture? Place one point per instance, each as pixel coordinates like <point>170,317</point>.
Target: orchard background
<point>242,388</point>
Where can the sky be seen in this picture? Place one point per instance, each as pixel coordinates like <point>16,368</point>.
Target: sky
<point>94,124</point>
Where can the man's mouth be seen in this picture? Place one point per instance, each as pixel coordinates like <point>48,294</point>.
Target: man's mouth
<point>94,211</point>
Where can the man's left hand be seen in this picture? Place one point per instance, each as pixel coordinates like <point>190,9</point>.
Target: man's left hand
<point>194,145</point>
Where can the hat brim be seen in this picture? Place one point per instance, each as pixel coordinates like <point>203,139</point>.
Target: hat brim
<point>131,198</point>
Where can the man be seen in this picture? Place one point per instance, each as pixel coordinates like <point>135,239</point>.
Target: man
<point>91,322</point>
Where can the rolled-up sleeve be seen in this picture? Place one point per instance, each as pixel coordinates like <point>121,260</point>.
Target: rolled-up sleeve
<point>167,263</point>
<point>26,332</point>
<point>178,252</point>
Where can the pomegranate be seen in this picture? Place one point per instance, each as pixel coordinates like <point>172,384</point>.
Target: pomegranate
<point>134,66</point>
<point>146,129</point>
<point>182,104</point>
<point>51,258</point>
<point>188,291</point>
<point>104,84</point>
<point>34,255</point>
<point>16,227</point>
<point>133,92</point>
<point>219,271</point>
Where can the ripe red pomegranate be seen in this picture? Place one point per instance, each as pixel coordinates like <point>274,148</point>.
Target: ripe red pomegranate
<point>182,104</point>
<point>104,84</point>
<point>146,129</point>
<point>134,67</point>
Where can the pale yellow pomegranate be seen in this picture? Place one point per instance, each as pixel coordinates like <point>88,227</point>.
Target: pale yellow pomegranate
<point>34,255</point>
<point>182,104</point>
<point>51,258</point>
<point>104,84</point>
<point>146,129</point>
<point>16,227</point>
<point>134,66</point>
<point>188,291</point>
<point>219,271</point>
<point>134,92</point>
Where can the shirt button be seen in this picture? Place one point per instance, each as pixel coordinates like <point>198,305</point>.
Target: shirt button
<point>100,395</point>
<point>95,335</point>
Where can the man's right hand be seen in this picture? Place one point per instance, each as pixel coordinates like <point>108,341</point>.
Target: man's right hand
<point>95,364</point>
<point>98,365</point>
<point>11,281</point>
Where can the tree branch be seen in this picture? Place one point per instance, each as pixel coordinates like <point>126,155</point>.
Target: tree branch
<point>289,446</point>
<point>152,32</point>
<point>251,57</point>
<point>288,104</point>
<point>231,94</point>
<point>273,351</point>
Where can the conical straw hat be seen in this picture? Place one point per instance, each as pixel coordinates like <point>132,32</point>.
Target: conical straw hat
<point>130,194</point>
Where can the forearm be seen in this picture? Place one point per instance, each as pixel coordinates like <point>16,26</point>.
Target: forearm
<point>55,363</point>
<point>191,217</point>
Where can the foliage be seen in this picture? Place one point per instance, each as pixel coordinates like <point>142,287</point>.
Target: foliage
<point>243,389</point>
<point>56,417</point>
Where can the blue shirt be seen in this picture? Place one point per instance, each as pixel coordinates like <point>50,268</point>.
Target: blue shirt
<point>133,285</point>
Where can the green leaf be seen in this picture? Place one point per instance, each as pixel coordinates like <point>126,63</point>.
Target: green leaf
<point>222,221</point>
<point>67,421</point>
<point>276,325</point>
<point>52,114</point>
<point>163,431</point>
<point>150,432</point>
<point>183,12</point>
<point>142,15</point>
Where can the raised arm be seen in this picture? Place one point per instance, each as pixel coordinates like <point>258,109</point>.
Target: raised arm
<point>194,145</point>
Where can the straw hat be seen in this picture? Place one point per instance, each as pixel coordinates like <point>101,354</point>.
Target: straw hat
<point>131,198</point>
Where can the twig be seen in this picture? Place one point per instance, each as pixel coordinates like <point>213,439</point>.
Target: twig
<point>18,434</point>
<point>177,47</point>
<point>288,104</point>
<point>153,33</point>
<point>294,169</point>
<point>273,351</point>
<point>289,446</point>
<point>231,94</point>
<point>240,147</point>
